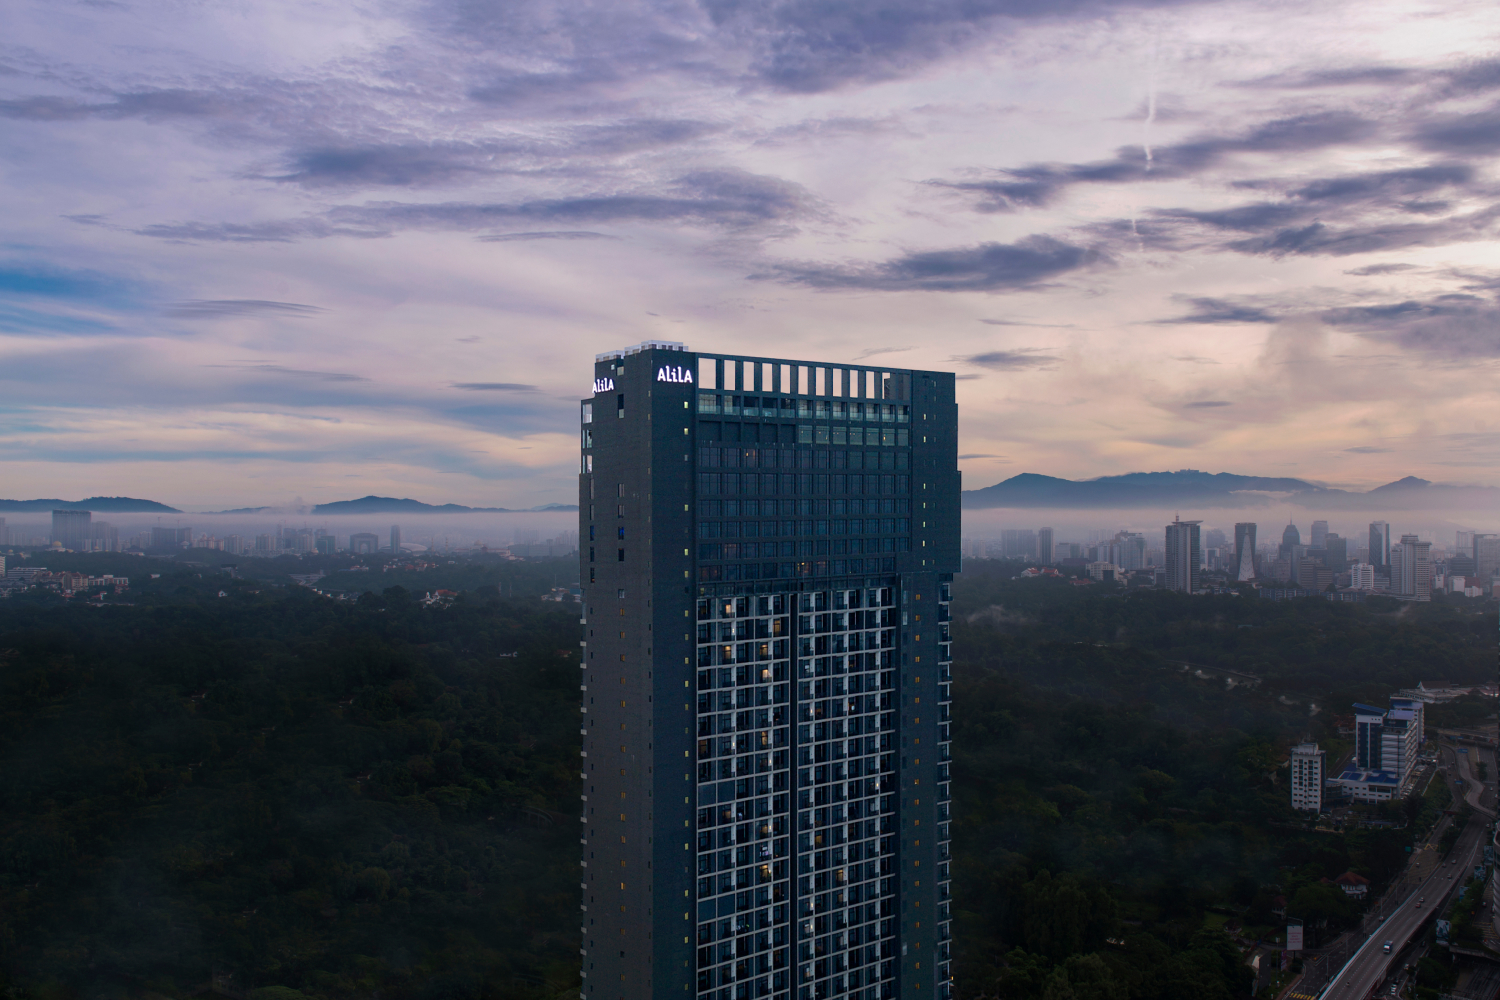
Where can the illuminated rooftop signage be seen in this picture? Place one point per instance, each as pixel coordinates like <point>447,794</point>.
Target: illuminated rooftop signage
<point>670,374</point>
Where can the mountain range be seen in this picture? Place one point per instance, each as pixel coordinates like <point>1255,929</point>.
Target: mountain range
<point>1185,488</point>
<point>100,505</point>
<point>1190,487</point>
<point>391,505</point>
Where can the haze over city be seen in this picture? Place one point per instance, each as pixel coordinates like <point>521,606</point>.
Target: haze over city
<point>258,253</point>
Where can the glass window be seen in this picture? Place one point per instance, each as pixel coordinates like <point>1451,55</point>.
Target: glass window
<point>708,402</point>
<point>822,409</point>
<point>887,436</point>
<point>731,529</point>
<point>768,528</point>
<point>856,527</point>
<point>841,435</point>
<point>821,435</point>
<point>903,437</point>
<point>840,527</point>
<point>750,529</point>
<point>804,434</point>
<point>588,413</point>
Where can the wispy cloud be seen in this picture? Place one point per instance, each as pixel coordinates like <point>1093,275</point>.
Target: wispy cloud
<point>988,267</point>
<point>1020,359</point>
<point>214,308</point>
<point>269,369</point>
<point>493,386</point>
<point>563,234</point>
<point>874,351</point>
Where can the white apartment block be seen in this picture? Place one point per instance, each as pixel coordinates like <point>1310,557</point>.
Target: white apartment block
<point>1307,777</point>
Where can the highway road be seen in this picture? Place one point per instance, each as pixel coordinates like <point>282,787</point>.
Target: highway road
<point>1476,792</point>
<point>1370,965</point>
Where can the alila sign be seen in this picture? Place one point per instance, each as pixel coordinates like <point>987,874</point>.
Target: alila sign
<point>666,373</point>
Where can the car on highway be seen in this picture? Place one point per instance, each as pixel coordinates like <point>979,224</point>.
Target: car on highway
<point>1386,947</point>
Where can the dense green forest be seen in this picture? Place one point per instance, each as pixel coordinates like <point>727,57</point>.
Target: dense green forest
<point>349,797</point>
<point>332,797</point>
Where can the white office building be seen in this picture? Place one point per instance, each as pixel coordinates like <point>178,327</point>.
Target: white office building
<point>1399,738</point>
<point>1307,777</point>
<point>1411,569</point>
<point>1362,576</point>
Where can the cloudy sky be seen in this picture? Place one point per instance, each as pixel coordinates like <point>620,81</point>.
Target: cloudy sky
<point>252,251</point>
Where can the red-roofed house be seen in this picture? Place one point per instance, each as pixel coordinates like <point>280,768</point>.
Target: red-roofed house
<point>1353,885</point>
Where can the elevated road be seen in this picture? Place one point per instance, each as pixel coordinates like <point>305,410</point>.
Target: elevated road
<point>1476,792</point>
<point>1371,964</point>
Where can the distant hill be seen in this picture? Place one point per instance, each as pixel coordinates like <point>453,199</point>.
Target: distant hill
<point>102,505</point>
<point>1408,493</point>
<point>1189,487</point>
<point>391,505</point>
<point>1215,481</point>
<point>1137,489</point>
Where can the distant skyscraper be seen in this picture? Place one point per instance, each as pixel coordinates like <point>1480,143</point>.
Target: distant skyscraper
<point>70,528</point>
<point>1291,540</point>
<point>1019,543</point>
<point>1486,556</point>
<point>1336,552</point>
<point>1413,579</point>
<point>1362,576</point>
<point>1319,534</point>
<point>395,538</point>
<point>1380,546</point>
<point>1244,551</point>
<point>1182,555</point>
<point>1044,546</point>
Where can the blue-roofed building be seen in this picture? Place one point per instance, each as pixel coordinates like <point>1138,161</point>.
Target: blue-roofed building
<point>1388,739</point>
<point>1365,785</point>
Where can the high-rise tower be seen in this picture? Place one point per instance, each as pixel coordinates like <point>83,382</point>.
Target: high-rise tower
<point>71,528</point>
<point>1380,546</point>
<point>1244,551</point>
<point>1183,556</point>
<point>766,548</point>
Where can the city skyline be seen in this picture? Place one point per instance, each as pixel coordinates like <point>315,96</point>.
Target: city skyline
<point>290,251</point>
